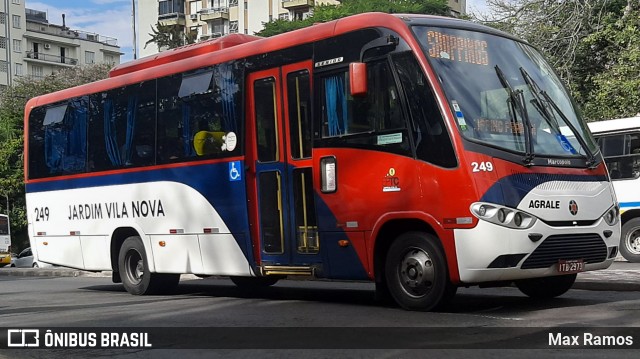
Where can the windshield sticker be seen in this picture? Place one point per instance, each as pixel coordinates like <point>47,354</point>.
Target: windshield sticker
<point>457,48</point>
<point>230,142</point>
<point>566,145</point>
<point>389,139</point>
<point>459,115</point>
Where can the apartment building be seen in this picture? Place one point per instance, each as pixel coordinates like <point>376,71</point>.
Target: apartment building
<point>208,19</point>
<point>31,46</point>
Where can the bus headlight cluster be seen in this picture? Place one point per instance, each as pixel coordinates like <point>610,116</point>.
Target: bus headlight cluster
<point>612,215</point>
<point>503,216</point>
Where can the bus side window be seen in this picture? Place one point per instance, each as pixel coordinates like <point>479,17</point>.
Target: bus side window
<point>170,128</point>
<point>374,120</point>
<point>121,127</point>
<point>431,138</point>
<point>196,112</point>
<point>58,139</point>
<point>622,155</point>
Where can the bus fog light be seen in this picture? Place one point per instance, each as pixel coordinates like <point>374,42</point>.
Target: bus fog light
<point>611,217</point>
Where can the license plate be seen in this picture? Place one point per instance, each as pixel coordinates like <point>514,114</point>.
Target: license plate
<point>568,266</point>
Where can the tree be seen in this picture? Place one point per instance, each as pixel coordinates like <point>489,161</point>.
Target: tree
<point>593,44</point>
<point>610,87</point>
<point>13,100</point>
<point>170,36</point>
<point>324,12</point>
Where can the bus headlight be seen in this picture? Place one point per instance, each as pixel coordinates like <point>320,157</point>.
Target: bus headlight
<point>503,216</point>
<point>612,215</point>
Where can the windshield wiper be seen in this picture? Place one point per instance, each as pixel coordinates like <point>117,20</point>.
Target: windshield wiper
<point>548,116</point>
<point>516,100</point>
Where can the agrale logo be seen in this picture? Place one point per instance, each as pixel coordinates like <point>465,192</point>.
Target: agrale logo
<point>573,207</point>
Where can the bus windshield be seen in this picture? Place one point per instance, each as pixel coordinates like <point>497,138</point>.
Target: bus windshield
<point>504,94</point>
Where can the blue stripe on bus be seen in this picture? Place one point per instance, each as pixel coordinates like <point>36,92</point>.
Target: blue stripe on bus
<point>629,204</point>
<point>510,190</point>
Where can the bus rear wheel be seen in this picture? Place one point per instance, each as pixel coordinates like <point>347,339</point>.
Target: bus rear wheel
<point>416,272</point>
<point>630,240</point>
<point>135,274</point>
<point>546,287</point>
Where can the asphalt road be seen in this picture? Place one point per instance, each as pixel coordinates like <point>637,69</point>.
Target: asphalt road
<point>345,313</point>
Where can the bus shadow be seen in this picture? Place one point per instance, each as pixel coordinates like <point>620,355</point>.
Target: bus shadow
<point>362,294</point>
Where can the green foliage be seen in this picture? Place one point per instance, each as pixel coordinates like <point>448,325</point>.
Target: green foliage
<point>13,101</point>
<point>593,44</point>
<point>170,36</point>
<point>324,12</point>
<point>612,88</point>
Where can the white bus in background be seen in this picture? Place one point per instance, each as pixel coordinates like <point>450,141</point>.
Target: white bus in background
<point>619,141</point>
<point>5,240</point>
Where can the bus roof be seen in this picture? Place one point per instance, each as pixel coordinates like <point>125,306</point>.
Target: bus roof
<point>618,125</point>
<point>182,53</point>
<point>197,55</point>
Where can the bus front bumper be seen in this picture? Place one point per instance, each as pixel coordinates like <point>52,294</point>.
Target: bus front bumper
<point>490,253</point>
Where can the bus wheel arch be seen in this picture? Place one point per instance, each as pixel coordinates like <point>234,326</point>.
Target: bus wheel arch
<point>391,246</point>
<point>630,240</point>
<point>137,278</point>
<point>117,239</point>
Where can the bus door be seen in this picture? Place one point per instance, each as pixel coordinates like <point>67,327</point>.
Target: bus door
<point>279,170</point>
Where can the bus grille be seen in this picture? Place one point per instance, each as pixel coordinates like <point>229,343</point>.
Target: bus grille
<point>587,246</point>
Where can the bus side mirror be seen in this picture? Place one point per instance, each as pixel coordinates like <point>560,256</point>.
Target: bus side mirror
<point>358,78</point>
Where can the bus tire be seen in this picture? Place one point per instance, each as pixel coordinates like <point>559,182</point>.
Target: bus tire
<point>416,272</point>
<point>546,287</point>
<point>630,240</point>
<point>135,274</point>
<point>254,282</point>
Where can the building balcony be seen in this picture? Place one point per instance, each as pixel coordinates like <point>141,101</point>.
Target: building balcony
<point>295,4</point>
<point>35,29</point>
<point>51,59</point>
<point>174,18</point>
<point>217,13</point>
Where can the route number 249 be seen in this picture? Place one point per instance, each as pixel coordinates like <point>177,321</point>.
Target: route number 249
<point>482,166</point>
<point>42,214</point>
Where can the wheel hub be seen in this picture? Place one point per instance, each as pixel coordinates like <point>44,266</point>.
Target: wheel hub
<point>633,241</point>
<point>416,272</point>
<point>134,267</point>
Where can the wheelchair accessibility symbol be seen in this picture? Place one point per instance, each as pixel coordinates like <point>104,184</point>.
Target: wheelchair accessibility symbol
<point>234,172</point>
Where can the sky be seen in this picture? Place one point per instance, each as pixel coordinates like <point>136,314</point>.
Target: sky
<point>112,18</point>
<point>477,6</point>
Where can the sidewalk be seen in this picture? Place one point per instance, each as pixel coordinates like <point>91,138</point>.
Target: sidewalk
<point>621,276</point>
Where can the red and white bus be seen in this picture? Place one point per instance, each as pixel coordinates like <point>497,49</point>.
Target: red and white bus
<point>422,153</point>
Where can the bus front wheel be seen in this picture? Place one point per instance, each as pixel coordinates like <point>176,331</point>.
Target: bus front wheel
<point>135,274</point>
<point>546,287</point>
<point>416,272</point>
<point>630,240</point>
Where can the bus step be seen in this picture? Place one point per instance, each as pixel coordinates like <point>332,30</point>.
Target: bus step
<point>287,270</point>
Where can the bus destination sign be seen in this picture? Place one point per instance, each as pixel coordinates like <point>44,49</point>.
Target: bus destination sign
<point>457,48</point>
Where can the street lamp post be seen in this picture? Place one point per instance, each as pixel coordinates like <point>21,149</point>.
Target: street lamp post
<point>133,26</point>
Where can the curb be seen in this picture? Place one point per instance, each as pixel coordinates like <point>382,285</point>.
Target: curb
<point>50,272</point>
<point>603,280</point>
<point>65,272</point>
<point>601,285</point>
